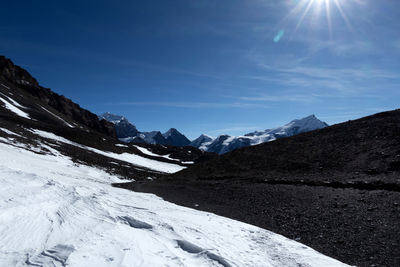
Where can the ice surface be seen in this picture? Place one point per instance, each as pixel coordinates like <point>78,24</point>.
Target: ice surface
<point>54,212</point>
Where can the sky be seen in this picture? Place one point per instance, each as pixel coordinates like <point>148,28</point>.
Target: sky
<point>211,66</point>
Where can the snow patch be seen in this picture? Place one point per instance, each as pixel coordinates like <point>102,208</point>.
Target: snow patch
<point>14,109</point>
<point>10,132</point>
<point>127,157</point>
<point>54,115</point>
<point>120,145</point>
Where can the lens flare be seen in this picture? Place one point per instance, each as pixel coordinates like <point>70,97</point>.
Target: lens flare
<point>318,8</point>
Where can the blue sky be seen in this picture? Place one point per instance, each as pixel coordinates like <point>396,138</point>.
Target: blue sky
<point>212,66</point>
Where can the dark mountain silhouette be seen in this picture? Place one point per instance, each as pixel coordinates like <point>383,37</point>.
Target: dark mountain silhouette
<point>70,111</point>
<point>174,138</point>
<point>128,133</point>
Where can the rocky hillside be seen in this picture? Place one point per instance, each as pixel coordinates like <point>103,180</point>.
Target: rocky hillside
<point>14,78</point>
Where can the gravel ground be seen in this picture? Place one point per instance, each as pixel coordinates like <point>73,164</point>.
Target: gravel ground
<point>358,227</point>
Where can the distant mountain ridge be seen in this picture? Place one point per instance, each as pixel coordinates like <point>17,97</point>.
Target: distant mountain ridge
<point>127,132</point>
<point>226,143</point>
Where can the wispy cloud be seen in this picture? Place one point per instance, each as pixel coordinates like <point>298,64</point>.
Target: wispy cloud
<point>299,98</point>
<point>342,81</point>
<point>235,129</point>
<point>396,44</point>
<point>193,104</point>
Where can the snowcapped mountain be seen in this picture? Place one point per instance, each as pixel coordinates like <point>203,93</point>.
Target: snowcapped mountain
<point>128,133</point>
<point>225,143</point>
<point>202,141</point>
<point>123,127</point>
<point>153,137</point>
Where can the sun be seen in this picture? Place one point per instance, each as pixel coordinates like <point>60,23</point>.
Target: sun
<point>320,8</point>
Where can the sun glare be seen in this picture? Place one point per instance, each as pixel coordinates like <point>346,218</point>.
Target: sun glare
<point>320,9</point>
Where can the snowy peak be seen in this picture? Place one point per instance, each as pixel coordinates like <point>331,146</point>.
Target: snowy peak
<point>294,127</point>
<point>202,141</point>
<point>127,132</point>
<point>225,143</point>
<point>308,123</point>
<point>112,117</point>
<point>170,132</point>
<point>123,127</point>
<point>154,137</point>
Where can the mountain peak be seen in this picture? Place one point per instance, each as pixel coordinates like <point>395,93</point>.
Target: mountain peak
<point>308,123</point>
<point>171,131</point>
<point>123,127</point>
<point>175,138</point>
<point>112,117</point>
<point>225,143</point>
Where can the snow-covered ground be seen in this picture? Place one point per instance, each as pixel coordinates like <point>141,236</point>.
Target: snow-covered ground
<point>14,108</point>
<point>127,157</point>
<point>54,212</point>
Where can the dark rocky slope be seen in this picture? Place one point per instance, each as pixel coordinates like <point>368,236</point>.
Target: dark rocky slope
<point>334,189</point>
<point>19,79</point>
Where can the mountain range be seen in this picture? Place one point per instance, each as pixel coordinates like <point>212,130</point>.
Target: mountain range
<point>127,132</point>
<point>226,143</point>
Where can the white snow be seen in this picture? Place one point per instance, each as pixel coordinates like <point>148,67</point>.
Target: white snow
<point>15,103</point>
<point>9,132</point>
<point>14,109</point>
<point>146,151</point>
<point>131,158</point>
<point>121,145</point>
<point>296,126</point>
<point>54,212</point>
<point>54,115</point>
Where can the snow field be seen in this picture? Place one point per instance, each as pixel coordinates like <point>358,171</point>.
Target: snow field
<point>54,212</point>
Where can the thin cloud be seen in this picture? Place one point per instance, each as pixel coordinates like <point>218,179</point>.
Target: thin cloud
<point>235,129</point>
<point>194,104</point>
<point>300,98</point>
